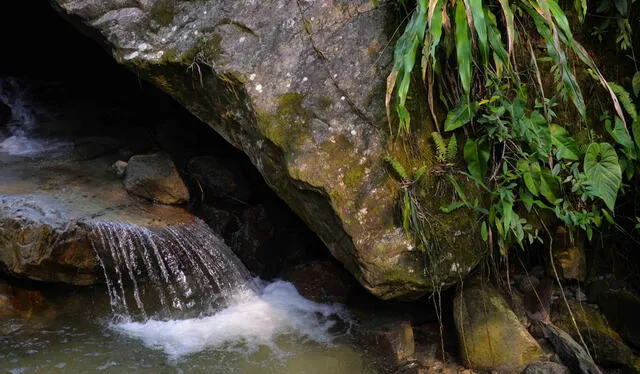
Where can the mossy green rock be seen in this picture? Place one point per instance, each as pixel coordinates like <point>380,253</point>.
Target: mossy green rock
<point>490,335</point>
<point>299,87</point>
<point>605,344</point>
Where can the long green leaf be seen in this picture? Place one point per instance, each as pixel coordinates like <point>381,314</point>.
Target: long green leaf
<point>463,46</point>
<point>480,25</point>
<point>603,172</point>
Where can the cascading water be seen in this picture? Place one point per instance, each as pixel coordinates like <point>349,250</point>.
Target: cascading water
<point>179,271</point>
<point>180,288</point>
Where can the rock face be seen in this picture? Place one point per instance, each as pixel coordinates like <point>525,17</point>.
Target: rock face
<point>155,177</point>
<point>38,242</point>
<point>491,337</point>
<point>299,87</point>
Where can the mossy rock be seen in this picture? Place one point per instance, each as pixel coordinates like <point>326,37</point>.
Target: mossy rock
<point>490,334</point>
<point>605,344</point>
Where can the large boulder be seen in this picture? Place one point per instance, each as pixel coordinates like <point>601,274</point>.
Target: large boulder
<point>155,177</point>
<point>490,334</point>
<point>299,86</point>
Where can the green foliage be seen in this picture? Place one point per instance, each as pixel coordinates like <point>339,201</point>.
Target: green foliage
<point>445,151</point>
<point>472,30</point>
<point>614,16</point>
<point>515,150</point>
<point>603,173</point>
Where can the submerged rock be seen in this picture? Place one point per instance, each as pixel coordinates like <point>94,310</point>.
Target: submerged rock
<point>392,344</point>
<point>491,336</point>
<point>299,87</point>
<point>155,177</point>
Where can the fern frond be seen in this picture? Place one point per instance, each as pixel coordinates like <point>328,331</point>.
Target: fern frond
<point>441,147</point>
<point>452,150</point>
<point>398,169</point>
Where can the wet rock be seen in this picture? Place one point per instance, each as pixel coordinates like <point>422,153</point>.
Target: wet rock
<point>155,177</point>
<point>545,367</point>
<point>119,168</point>
<point>306,109</point>
<point>391,344</point>
<point>321,281</point>
<point>605,345</point>
<point>490,335</point>
<point>571,353</point>
<point>23,303</point>
<point>38,242</point>
<point>568,256</point>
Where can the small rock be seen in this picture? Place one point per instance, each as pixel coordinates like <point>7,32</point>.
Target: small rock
<point>119,168</point>
<point>216,218</point>
<point>491,337</point>
<point>391,343</point>
<point>545,367</point>
<point>155,177</point>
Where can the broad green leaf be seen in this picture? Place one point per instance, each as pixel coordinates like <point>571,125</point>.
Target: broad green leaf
<point>463,46</point>
<point>375,3</point>
<point>476,154</point>
<point>635,83</point>
<point>461,115</point>
<point>603,172</point>
<point>567,147</point>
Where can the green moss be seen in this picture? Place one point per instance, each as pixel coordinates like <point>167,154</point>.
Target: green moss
<point>287,127</point>
<point>162,12</point>
<point>353,177</point>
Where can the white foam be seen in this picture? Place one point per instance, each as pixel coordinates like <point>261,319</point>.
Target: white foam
<point>20,145</point>
<point>256,321</point>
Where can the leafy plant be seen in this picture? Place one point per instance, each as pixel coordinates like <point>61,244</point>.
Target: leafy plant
<point>445,151</point>
<point>437,28</point>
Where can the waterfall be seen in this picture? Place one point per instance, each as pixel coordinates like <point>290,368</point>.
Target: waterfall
<point>180,271</point>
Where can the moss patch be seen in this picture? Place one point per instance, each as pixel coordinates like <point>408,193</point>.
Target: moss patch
<point>162,12</point>
<point>287,127</point>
